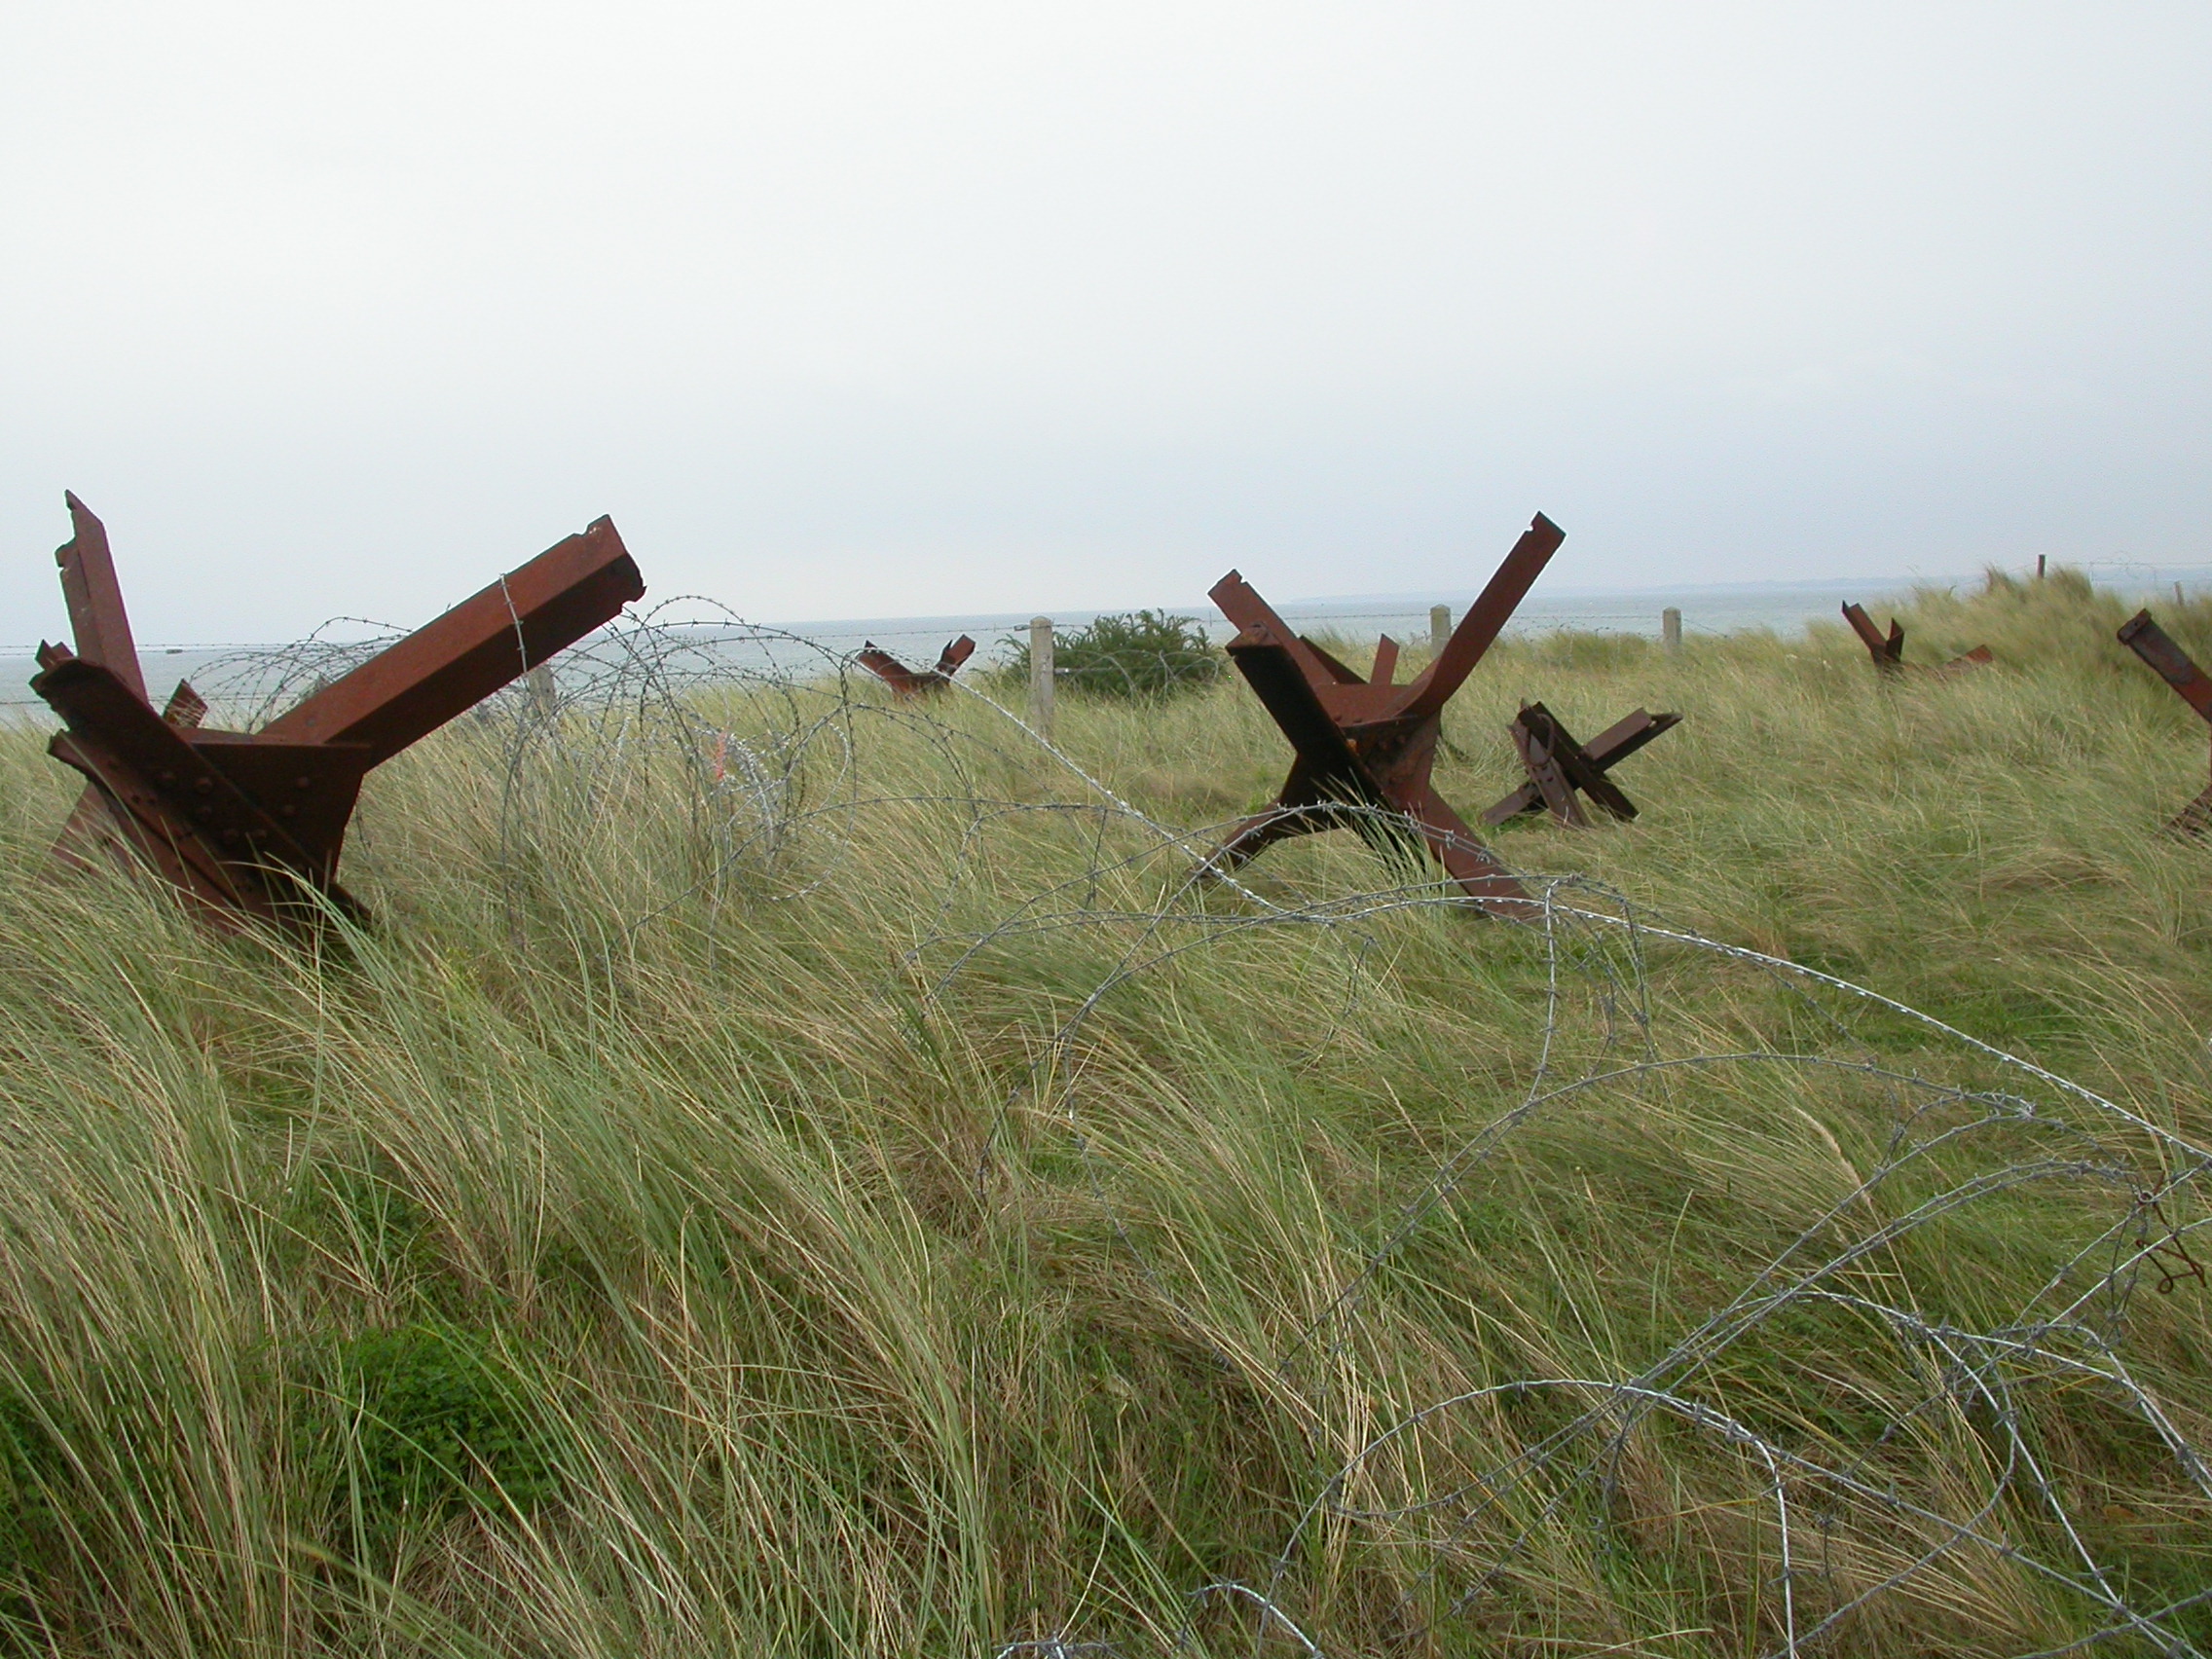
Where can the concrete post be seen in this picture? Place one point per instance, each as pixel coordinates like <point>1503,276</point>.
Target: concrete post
<point>1040,676</point>
<point>1439,626</point>
<point>1671,628</point>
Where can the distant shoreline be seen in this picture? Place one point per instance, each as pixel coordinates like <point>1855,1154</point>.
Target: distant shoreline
<point>1709,608</point>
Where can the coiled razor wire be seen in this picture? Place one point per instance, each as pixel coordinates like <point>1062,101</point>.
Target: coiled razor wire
<point>763,735</point>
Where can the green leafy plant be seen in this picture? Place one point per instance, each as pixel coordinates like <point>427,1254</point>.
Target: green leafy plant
<point>434,1421</point>
<point>32,1470</point>
<point>1137,653</point>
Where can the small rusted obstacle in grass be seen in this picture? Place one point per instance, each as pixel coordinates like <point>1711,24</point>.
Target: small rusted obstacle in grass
<point>908,683</point>
<point>1364,748</point>
<point>249,825</point>
<point>1888,651</point>
<point>1559,765</point>
<point>2149,641</point>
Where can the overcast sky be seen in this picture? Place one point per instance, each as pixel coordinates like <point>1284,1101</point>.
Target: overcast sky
<point>848,310</point>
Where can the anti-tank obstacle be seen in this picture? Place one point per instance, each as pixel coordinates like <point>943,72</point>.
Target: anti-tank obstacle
<point>251,824</point>
<point>908,683</point>
<point>1888,651</point>
<point>1557,765</point>
<point>2149,641</point>
<point>1365,747</point>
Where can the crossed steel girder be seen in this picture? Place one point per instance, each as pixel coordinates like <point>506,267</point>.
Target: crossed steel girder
<point>906,682</point>
<point>251,824</point>
<point>1888,651</point>
<point>1557,765</point>
<point>1365,748</point>
<point>2149,641</point>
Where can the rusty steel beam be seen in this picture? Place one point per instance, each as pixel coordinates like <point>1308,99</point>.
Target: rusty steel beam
<point>90,829</point>
<point>1364,748</point>
<point>251,825</point>
<point>97,620</point>
<point>100,624</point>
<point>2149,641</point>
<point>905,683</point>
<point>447,667</point>
<point>1487,617</point>
<point>1557,765</point>
<point>1888,651</point>
<point>184,812</point>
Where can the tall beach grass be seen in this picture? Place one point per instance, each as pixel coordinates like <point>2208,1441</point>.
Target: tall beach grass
<point>939,1224</point>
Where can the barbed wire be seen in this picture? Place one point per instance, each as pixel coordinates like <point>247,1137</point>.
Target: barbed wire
<point>750,757</point>
<point>1834,1509</point>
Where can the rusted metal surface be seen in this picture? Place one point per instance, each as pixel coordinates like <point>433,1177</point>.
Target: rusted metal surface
<point>1559,766</point>
<point>251,825</point>
<point>101,626</point>
<point>447,667</point>
<point>1365,746</point>
<point>91,830</point>
<point>906,682</point>
<point>97,620</point>
<point>183,812</point>
<point>2149,641</point>
<point>1888,651</point>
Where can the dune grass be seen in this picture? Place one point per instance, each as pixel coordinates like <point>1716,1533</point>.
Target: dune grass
<point>933,1225</point>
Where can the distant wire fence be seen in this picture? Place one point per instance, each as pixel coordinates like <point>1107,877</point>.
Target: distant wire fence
<point>1935,1470</point>
<point>1000,642</point>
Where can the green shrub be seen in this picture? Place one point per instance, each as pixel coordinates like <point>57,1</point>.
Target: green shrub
<point>1141,654</point>
<point>32,1470</point>
<point>435,1423</point>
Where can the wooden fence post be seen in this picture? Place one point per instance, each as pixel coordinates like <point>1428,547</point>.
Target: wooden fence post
<point>1439,626</point>
<point>1671,628</point>
<point>1040,676</point>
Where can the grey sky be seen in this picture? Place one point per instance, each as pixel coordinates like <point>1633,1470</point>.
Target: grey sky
<point>872,309</point>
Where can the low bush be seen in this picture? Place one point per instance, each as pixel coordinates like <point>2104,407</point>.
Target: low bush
<point>435,1421</point>
<point>1141,654</point>
<point>32,1472</point>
